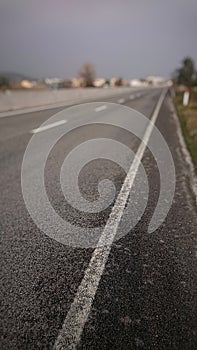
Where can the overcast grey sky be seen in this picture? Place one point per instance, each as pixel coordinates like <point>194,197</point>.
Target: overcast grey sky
<point>127,38</point>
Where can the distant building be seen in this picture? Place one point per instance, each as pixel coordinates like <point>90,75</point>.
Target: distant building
<point>28,85</point>
<point>54,83</point>
<point>67,83</point>
<point>155,80</point>
<point>118,82</point>
<point>99,82</point>
<point>113,82</point>
<point>78,82</point>
<point>138,82</point>
<point>125,82</point>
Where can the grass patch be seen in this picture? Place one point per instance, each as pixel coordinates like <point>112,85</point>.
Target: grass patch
<point>188,121</point>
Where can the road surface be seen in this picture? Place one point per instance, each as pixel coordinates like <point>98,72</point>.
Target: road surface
<point>144,292</point>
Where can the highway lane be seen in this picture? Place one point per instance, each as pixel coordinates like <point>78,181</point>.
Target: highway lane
<point>68,97</point>
<point>13,125</point>
<point>146,296</point>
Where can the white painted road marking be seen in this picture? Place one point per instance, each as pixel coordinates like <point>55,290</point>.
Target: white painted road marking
<point>101,108</point>
<point>49,126</point>
<point>121,100</point>
<point>70,334</point>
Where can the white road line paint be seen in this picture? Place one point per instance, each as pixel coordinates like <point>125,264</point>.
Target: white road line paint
<point>101,108</point>
<point>187,157</point>
<point>49,126</point>
<point>121,100</point>
<point>70,334</point>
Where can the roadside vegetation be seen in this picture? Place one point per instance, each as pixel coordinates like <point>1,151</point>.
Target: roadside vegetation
<point>4,83</point>
<point>188,119</point>
<point>185,79</point>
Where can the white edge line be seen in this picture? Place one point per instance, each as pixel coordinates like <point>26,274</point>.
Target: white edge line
<point>70,334</point>
<point>49,126</point>
<point>184,150</point>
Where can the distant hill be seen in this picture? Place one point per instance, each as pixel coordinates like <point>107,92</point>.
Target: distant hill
<point>15,77</point>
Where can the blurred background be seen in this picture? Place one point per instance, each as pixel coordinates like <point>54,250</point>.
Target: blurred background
<point>76,44</point>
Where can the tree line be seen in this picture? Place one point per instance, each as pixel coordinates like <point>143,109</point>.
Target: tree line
<point>186,74</point>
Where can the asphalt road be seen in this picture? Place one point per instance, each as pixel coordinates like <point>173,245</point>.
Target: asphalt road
<point>141,293</point>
